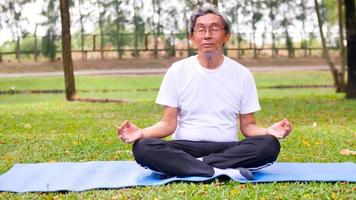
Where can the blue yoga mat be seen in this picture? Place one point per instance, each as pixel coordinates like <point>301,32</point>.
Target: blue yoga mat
<point>81,176</point>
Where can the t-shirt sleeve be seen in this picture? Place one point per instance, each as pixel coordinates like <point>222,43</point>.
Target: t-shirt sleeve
<point>167,94</point>
<point>249,101</point>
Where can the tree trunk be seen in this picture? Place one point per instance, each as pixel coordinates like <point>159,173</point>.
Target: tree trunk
<point>136,52</point>
<point>18,49</point>
<point>135,18</point>
<point>254,30</point>
<point>36,45</point>
<point>351,48</point>
<point>304,39</point>
<point>158,28</point>
<point>118,29</point>
<point>155,28</point>
<point>289,42</point>
<point>274,49</point>
<point>66,51</point>
<point>81,30</point>
<point>118,42</point>
<point>325,49</point>
<point>102,57</point>
<point>342,85</point>
<point>84,57</point>
<point>271,5</point>
<point>189,52</point>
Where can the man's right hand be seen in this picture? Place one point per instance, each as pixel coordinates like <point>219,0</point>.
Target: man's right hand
<point>128,132</point>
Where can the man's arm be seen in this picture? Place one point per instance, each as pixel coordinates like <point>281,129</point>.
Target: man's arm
<point>129,132</point>
<point>249,127</point>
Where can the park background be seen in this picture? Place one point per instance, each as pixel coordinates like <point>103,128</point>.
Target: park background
<point>280,41</point>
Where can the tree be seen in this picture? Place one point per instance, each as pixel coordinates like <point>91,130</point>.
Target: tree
<point>272,6</point>
<point>156,26</point>
<point>334,71</point>
<point>350,17</point>
<point>302,16</point>
<point>189,5</point>
<point>139,26</point>
<point>285,24</point>
<point>234,12</point>
<point>102,12</point>
<point>119,20</point>
<point>328,12</point>
<point>49,47</point>
<point>256,17</point>
<point>342,71</point>
<point>67,51</point>
<point>171,24</point>
<point>82,16</point>
<point>252,11</point>
<point>36,53</point>
<point>215,2</point>
<point>12,13</point>
<point>48,41</point>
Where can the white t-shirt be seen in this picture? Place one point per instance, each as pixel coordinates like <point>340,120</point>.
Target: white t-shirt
<point>208,101</point>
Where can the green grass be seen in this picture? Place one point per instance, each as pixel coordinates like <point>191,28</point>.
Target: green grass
<point>45,128</point>
<point>266,79</point>
<point>82,82</point>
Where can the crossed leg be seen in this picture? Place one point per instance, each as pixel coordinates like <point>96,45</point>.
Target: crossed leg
<point>178,157</point>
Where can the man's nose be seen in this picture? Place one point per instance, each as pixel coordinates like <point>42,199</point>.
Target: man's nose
<point>207,34</point>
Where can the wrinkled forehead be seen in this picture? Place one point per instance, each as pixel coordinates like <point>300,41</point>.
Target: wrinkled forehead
<point>209,19</point>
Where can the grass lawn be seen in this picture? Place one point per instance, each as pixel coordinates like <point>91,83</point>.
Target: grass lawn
<point>45,128</point>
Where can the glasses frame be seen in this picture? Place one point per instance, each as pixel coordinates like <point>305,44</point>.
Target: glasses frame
<point>213,29</point>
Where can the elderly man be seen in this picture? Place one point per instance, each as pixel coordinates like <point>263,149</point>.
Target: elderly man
<point>203,98</point>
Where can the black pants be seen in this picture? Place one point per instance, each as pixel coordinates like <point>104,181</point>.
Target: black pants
<point>178,157</point>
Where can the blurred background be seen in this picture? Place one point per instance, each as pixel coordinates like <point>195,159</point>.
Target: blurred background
<point>110,29</point>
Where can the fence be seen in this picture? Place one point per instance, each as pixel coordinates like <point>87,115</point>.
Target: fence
<point>93,46</point>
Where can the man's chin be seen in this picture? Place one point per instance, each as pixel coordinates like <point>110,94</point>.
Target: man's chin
<point>209,54</point>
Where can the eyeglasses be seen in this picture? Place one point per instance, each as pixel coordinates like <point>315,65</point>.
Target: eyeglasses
<point>214,30</point>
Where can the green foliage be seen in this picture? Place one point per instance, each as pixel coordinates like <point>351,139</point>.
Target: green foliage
<point>49,46</point>
<point>118,40</point>
<point>77,41</point>
<point>8,46</point>
<point>46,128</point>
<point>328,12</point>
<point>170,46</point>
<point>116,35</point>
<point>27,44</point>
<point>182,35</point>
<point>139,32</point>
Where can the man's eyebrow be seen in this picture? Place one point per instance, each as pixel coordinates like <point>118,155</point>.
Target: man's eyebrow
<point>212,24</point>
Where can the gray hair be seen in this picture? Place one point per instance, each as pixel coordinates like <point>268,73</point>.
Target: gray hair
<point>206,9</point>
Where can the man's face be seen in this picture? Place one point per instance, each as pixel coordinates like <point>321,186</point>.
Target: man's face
<point>209,35</point>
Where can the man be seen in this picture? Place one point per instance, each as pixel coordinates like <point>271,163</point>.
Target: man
<point>203,96</point>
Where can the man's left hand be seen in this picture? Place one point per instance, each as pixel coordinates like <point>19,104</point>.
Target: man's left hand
<point>280,129</point>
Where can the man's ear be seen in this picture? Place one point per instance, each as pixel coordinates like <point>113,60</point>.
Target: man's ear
<point>191,36</point>
<point>227,38</point>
